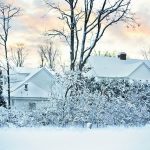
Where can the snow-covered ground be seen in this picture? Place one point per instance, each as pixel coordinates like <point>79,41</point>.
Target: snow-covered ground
<point>75,139</point>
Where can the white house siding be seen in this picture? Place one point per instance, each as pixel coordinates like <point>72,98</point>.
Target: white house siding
<point>32,91</point>
<point>141,73</point>
<point>34,87</point>
<point>24,103</point>
<point>37,92</point>
<point>43,80</point>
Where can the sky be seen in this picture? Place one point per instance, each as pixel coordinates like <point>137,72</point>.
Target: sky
<point>34,20</point>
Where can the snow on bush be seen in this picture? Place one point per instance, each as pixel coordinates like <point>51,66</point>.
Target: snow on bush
<point>77,100</point>
<point>2,101</point>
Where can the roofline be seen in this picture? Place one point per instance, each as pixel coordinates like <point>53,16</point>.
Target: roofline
<point>117,57</point>
<point>48,71</point>
<point>143,63</point>
<point>27,80</point>
<point>112,77</point>
<point>31,98</point>
<point>43,68</point>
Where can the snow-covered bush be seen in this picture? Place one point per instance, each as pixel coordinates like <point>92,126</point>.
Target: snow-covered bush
<point>76,100</point>
<point>103,102</point>
<point>2,101</point>
<point>3,117</point>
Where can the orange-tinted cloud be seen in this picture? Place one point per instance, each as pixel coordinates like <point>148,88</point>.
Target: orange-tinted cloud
<point>36,19</point>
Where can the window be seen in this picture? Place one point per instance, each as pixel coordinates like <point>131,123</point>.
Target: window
<point>32,106</point>
<point>26,87</point>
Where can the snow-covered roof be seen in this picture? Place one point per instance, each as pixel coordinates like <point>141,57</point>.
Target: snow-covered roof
<point>20,70</point>
<point>24,70</point>
<point>113,66</point>
<point>32,74</point>
<point>26,75</point>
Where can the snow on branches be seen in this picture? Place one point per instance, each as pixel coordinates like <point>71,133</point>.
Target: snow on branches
<point>76,100</point>
<point>2,102</point>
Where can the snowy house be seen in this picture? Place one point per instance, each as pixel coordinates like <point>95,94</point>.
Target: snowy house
<point>119,67</point>
<point>29,87</point>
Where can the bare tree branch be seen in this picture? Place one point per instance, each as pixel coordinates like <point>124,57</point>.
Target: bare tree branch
<point>48,55</point>
<point>89,24</point>
<point>7,13</point>
<point>18,55</point>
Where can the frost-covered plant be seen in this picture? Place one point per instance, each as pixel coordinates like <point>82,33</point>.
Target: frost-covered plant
<point>102,103</point>
<point>2,101</point>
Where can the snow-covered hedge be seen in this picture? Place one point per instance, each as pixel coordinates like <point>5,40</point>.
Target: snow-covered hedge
<point>2,102</point>
<point>83,100</point>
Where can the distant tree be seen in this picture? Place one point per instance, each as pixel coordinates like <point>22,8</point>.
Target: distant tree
<point>106,53</point>
<point>48,55</point>
<point>18,55</point>
<point>7,13</point>
<point>100,102</point>
<point>62,64</point>
<point>2,101</point>
<point>146,54</point>
<point>42,62</point>
<point>85,22</point>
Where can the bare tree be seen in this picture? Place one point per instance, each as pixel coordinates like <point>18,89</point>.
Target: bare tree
<point>7,13</point>
<point>146,54</point>
<point>62,64</point>
<point>41,57</point>
<point>86,22</point>
<point>48,55</point>
<point>18,55</point>
<point>105,53</point>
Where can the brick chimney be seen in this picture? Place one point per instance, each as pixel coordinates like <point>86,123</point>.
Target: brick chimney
<point>122,56</point>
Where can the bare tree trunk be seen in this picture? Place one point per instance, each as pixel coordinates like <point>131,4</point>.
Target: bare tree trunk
<point>48,54</point>
<point>8,74</point>
<point>8,71</point>
<point>8,79</point>
<point>18,55</point>
<point>7,12</point>
<point>72,65</point>
<point>42,62</point>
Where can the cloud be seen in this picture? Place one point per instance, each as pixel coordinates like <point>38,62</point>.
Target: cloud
<point>36,18</point>
<point>131,40</point>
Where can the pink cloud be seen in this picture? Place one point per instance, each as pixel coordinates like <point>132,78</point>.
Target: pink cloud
<point>36,19</point>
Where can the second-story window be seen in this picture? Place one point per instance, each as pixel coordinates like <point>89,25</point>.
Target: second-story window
<point>26,87</point>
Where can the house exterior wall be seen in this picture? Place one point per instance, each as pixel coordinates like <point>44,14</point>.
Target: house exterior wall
<point>37,92</point>
<point>23,103</point>
<point>141,73</point>
<point>43,80</point>
<point>32,91</point>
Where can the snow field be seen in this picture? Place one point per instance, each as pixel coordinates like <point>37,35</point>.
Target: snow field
<point>75,139</point>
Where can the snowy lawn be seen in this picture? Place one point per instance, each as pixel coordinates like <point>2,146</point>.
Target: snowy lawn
<point>75,139</point>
